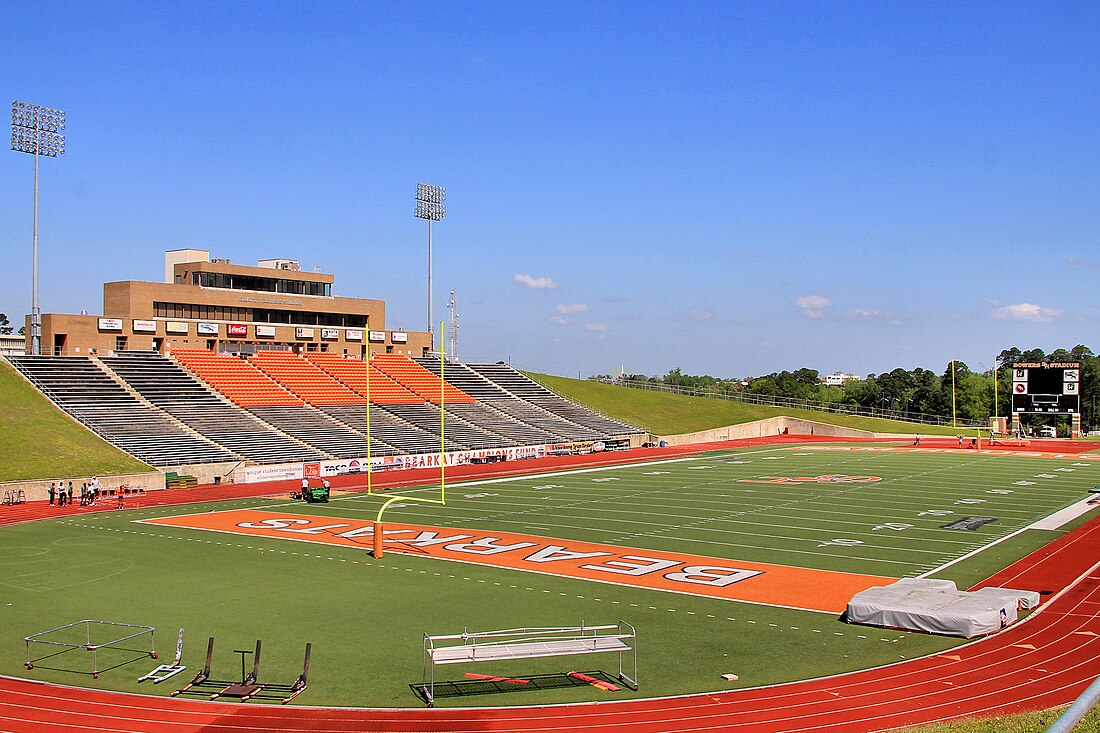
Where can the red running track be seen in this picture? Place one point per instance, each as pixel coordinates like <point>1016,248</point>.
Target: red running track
<point>1045,661</point>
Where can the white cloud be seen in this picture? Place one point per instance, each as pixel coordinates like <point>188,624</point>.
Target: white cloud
<point>535,283</point>
<point>559,320</point>
<point>1026,312</point>
<point>576,308</point>
<point>1077,262</point>
<point>813,306</point>
<point>595,327</point>
<point>698,314</point>
<point>871,314</point>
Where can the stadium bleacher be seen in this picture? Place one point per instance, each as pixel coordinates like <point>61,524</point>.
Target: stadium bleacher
<point>282,407</point>
<point>81,388</point>
<point>303,378</point>
<point>515,383</point>
<point>168,386</point>
<point>352,373</point>
<point>235,378</point>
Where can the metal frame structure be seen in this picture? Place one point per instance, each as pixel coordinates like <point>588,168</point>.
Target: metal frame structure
<point>167,671</point>
<point>88,645</point>
<point>431,204</point>
<point>527,643</point>
<point>36,130</point>
<point>249,687</point>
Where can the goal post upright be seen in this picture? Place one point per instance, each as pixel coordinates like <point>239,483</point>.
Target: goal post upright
<point>379,526</point>
<point>370,468</point>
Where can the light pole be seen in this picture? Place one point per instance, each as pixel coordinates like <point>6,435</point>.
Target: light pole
<point>36,130</point>
<point>430,205</point>
<point>454,328</point>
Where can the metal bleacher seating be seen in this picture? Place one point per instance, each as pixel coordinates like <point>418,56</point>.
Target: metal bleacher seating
<point>277,407</point>
<point>515,406</point>
<point>456,430</point>
<point>512,381</point>
<point>396,435</point>
<point>81,388</point>
<point>484,412</point>
<point>171,388</point>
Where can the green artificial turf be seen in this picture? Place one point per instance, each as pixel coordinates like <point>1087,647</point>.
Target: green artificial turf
<point>40,441</point>
<point>366,618</point>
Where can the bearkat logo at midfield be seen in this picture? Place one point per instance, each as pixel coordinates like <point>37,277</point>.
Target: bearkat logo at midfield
<point>830,478</point>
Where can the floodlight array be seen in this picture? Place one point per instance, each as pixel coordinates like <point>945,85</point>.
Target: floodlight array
<point>37,130</point>
<point>430,202</point>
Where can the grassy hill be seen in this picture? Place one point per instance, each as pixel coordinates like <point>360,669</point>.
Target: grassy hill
<point>662,413</point>
<point>40,441</point>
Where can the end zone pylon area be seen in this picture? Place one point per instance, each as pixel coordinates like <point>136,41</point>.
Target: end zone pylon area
<point>249,687</point>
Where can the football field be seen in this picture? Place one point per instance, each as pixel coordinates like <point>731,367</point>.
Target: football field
<point>735,561</point>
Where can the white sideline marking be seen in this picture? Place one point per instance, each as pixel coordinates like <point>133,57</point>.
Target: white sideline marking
<point>1064,516</point>
<point>1051,522</point>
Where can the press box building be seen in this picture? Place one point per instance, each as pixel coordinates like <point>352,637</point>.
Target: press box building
<point>213,304</point>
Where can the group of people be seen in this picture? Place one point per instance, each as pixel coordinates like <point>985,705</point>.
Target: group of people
<point>61,495</point>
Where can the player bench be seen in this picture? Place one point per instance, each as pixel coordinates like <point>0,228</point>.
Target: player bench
<point>527,643</point>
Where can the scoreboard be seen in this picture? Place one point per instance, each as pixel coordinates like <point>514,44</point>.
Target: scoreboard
<point>1053,388</point>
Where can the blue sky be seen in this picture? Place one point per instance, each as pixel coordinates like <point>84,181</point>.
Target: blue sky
<point>728,188</point>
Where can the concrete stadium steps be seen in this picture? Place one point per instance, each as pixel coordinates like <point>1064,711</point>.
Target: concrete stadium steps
<point>174,390</point>
<point>303,378</point>
<point>501,423</point>
<point>456,430</point>
<point>544,419</point>
<point>464,378</point>
<point>316,428</point>
<point>83,390</point>
<point>402,435</point>
<point>521,386</point>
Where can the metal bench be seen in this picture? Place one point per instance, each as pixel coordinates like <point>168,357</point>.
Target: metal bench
<point>527,643</point>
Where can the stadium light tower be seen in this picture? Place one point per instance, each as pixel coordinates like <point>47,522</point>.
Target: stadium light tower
<point>430,205</point>
<point>453,336</point>
<point>36,130</point>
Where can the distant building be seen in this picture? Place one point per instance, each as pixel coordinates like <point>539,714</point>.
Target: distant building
<point>12,344</point>
<point>837,379</point>
<point>209,303</point>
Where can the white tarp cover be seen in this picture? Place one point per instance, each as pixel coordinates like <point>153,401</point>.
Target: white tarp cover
<point>938,607</point>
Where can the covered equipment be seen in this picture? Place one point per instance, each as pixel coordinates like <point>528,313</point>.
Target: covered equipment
<point>938,607</point>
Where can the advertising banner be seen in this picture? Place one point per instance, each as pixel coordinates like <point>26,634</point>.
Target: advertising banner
<point>206,329</point>
<point>353,334</point>
<point>145,326</point>
<point>341,467</point>
<point>236,329</point>
<point>330,333</point>
<point>175,327</point>
<point>377,337</point>
<point>281,472</point>
<point>265,332</point>
<point>303,333</point>
<point>110,324</point>
<point>399,337</point>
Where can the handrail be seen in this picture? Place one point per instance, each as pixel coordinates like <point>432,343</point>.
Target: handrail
<point>1078,710</point>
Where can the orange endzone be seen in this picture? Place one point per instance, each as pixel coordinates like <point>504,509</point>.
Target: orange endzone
<point>721,578</point>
